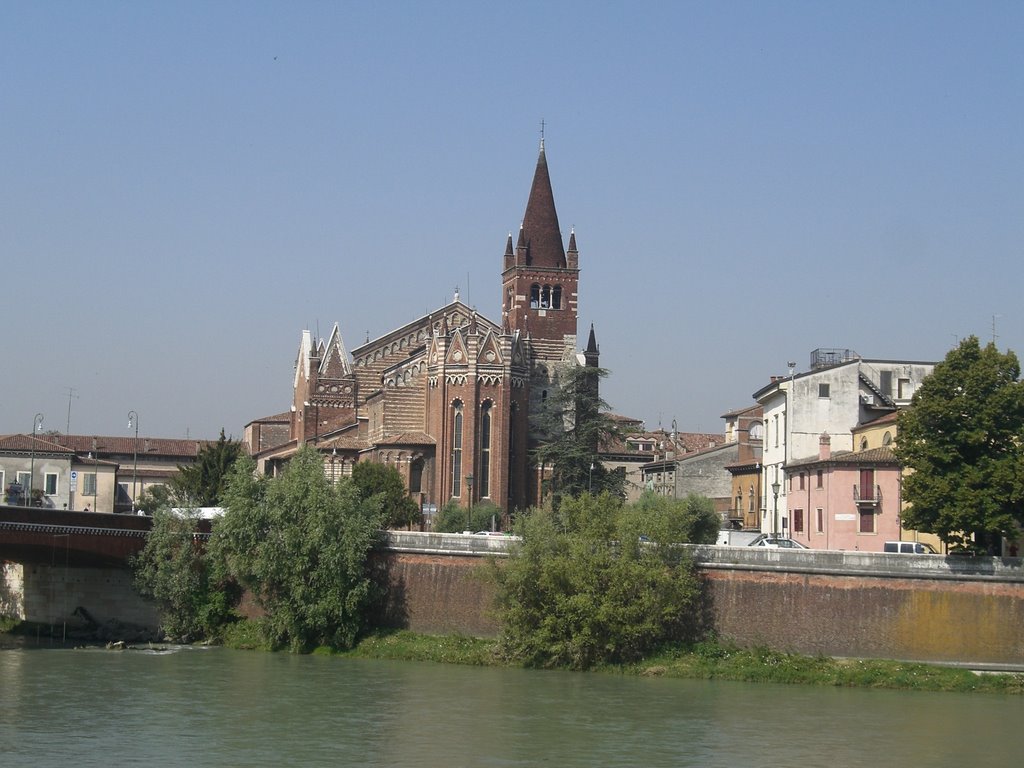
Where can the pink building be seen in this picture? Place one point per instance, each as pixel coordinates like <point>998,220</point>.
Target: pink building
<point>847,500</point>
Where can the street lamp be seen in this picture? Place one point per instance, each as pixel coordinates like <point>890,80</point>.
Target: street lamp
<point>469,507</point>
<point>37,424</point>
<point>133,419</point>
<point>775,516</point>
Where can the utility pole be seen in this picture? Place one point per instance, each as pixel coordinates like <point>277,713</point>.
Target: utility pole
<point>71,394</point>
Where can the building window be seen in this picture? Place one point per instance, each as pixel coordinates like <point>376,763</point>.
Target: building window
<point>50,484</point>
<point>820,478</point>
<point>867,485</point>
<point>823,390</point>
<point>885,383</point>
<point>904,390</point>
<point>89,484</point>
<point>24,480</point>
<point>756,431</point>
<point>867,522</point>
<point>798,521</point>
<point>457,449</point>
<point>863,443</point>
<point>887,439</point>
<point>534,296</point>
<point>3,486</point>
<point>485,450</point>
<point>801,481</point>
<point>820,513</point>
<point>556,297</point>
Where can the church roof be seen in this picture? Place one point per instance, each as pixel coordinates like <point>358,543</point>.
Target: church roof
<point>540,232</point>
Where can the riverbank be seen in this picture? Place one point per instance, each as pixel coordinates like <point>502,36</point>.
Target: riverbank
<point>708,661</point>
<point>702,661</point>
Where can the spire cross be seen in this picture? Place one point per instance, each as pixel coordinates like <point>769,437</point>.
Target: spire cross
<point>542,133</point>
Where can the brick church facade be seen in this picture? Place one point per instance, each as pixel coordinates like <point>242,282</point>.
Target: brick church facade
<point>446,398</point>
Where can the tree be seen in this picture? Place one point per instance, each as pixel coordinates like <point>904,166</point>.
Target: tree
<point>194,594</point>
<point>567,431</point>
<point>300,544</point>
<point>583,588</point>
<point>668,521</point>
<point>383,481</point>
<point>455,518</point>
<point>961,442</point>
<point>202,483</point>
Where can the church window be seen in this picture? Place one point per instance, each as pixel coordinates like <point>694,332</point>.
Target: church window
<point>416,476</point>
<point>457,449</point>
<point>485,450</point>
<point>556,297</point>
<point>534,296</point>
<point>545,297</point>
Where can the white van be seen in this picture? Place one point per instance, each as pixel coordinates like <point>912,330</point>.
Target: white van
<point>909,548</point>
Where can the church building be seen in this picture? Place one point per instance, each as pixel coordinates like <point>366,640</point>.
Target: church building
<point>447,397</point>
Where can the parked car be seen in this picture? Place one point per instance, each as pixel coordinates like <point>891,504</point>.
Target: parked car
<point>909,548</point>
<point>776,542</point>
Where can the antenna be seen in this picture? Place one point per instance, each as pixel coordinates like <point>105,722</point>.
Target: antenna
<point>994,336</point>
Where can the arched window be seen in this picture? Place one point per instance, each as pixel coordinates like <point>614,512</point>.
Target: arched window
<point>457,448</point>
<point>416,475</point>
<point>887,438</point>
<point>485,450</point>
<point>757,431</point>
<point>545,297</point>
<point>534,296</point>
<point>556,297</point>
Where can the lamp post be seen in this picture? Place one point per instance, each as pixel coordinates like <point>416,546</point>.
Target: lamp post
<point>775,514</point>
<point>37,424</point>
<point>133,420</point>
<point>469,507</point>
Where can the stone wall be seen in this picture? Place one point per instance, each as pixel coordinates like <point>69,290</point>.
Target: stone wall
<point>46,594</point>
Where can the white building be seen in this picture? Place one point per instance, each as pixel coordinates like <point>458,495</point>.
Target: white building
<point>841,391</point>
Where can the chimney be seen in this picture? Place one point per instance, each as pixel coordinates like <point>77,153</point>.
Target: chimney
<point>824,446</point>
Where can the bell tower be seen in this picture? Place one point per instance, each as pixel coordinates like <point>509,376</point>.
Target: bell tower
<point>540,279</point>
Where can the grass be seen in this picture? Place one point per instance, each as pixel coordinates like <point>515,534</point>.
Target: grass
<point>708,661</point>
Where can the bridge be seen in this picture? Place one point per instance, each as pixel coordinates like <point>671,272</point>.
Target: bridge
<point>33,536</point>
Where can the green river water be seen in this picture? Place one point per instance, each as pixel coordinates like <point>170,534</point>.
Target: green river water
<point>216,707</point>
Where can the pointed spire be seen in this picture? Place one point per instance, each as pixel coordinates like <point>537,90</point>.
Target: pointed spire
<point>540,224</point>
<point>572,240</point>
<point>592,352</point>
<point>508,246</point>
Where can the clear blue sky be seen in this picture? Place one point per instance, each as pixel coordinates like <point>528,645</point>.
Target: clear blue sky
<point>186,186</point>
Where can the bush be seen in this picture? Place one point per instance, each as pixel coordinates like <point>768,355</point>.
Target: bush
<point>583,589</point>
<point>453,518</point>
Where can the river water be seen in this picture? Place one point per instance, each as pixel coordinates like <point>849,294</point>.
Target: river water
<point>215,707</point>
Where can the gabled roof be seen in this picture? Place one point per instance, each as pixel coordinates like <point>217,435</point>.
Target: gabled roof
<point>876,456</point>
<point>149,446</point>
<point>540,232</point>
<point>335,363</point>
<point>26,444</point>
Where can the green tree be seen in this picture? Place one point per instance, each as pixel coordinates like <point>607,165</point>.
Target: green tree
<point>567,430</point>
<point>385,482</point>
<point>961,440</point>
<point>300,544</point>
<point>202,483</point>
<point>665,520</point>
<point>455,518</point>
<point>194,595</point>
<point>582,588</point>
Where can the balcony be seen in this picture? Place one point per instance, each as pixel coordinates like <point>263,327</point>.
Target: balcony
<point>867,495</point>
